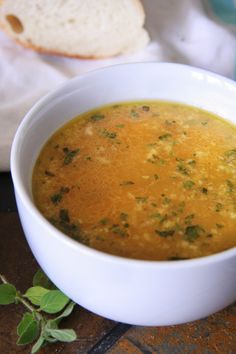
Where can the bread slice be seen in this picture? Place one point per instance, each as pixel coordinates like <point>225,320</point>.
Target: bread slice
<point>76,28</point>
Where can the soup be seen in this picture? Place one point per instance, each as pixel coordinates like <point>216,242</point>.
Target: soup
<point>148,180</point>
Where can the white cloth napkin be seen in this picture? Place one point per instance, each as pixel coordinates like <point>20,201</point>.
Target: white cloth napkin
<point>186,31</point>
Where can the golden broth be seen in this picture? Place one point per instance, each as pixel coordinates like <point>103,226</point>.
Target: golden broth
<point>149,180</point>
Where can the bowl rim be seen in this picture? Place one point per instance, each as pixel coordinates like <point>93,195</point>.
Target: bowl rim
<point>53,231</point>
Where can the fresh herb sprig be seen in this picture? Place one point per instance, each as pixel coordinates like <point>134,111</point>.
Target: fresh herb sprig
<point>43,297</point>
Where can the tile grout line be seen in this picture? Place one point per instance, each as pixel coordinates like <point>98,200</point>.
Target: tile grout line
<point>7,197</point>
<point>109,339</point>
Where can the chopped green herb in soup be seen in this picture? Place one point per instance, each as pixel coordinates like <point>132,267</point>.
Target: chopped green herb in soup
<point>147,180</point>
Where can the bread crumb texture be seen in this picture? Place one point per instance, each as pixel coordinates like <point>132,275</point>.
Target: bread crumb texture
<point>77,28</point>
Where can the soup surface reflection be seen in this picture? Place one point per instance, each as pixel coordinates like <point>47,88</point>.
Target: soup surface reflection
<point>149,180</point>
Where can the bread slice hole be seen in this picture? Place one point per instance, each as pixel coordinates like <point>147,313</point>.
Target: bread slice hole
<point>15,23</point>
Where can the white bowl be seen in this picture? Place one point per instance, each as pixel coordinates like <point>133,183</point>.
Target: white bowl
<point>132,291</point>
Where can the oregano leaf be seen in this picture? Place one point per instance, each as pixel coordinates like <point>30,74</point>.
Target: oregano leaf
<point>24,323</point>
<point>34,325</point>
<point>38,345</point>
<point>63,335</point>
<point>35,294</point>
<point>28,329</point>
<point>41,279</point>
<point>53,302</point>
<point>51,324</point>
<point>50,339</point>
<point>66,312</point>
<point>7,294</point>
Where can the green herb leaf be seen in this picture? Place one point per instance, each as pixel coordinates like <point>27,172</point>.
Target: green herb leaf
<point>116,229</point>
<point>69,155</point>
<point>156,160</point>
<point>192,162</point>
<point>108,134</point>
<point>48,338</point>
<point>193,232</point>
<point>163,218</point>
<point>56,198</point>
<point>124,216</point>
<point>27,329</point>
<point>53,301</point>
<point>166,201</point>
<point>35,294</point>
<point>96,117</point>
<point>230,155</point>
<point>188,184</point>
<point>67,311</point>
<point>38,345</point>
<point>7,294</point>
<point>230,186</point>
<point>141,199</point>
<point>63,335</point>
<point>188,219</point>
<point>165,233</point>
<point>64,216</point>
<point>126,183</point>
<point>51,324</point>
<point>104,221</point>
<point>181,168</point>
<point>40,279</point>
<point>24,323</point>
<point>134,114</point>
<point>165,136</point>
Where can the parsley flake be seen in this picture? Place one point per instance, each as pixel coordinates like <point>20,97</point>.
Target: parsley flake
<point>188,184</point>
<point>165,233</point>
<point>69,155</point>
<point>96,117</point>
<point>165,136</point>
<point>193,232</point>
